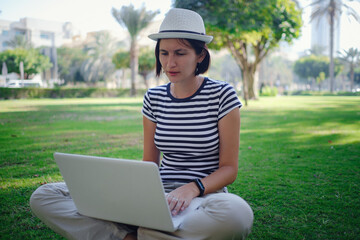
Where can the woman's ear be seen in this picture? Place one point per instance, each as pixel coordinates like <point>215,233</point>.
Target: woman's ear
<point>201,56</point>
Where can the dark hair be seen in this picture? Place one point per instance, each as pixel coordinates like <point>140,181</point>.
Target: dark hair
<point>198,46</point>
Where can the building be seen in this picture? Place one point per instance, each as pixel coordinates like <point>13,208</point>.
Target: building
<point>40,33</point>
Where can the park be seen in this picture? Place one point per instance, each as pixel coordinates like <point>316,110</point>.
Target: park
<point>298,164</point>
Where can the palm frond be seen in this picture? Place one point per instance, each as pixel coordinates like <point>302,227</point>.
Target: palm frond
<point>134,20</point>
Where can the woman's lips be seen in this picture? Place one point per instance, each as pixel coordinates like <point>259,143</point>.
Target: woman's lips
<point>171,73</point>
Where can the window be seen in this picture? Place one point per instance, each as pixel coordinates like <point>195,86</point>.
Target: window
<point>5,32</point>
<point>19,33</point>
<point>45,35</point>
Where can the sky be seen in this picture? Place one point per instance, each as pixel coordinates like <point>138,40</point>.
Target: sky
<point>96,15</point>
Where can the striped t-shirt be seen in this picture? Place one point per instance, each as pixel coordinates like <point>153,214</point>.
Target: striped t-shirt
<point>187,129</point>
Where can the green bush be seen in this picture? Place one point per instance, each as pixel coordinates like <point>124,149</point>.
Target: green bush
<point>28,93</point>
<point>316,93</point>
<point>269,91</point>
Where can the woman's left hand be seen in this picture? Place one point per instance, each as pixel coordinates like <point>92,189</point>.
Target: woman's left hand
<point>180,198</point>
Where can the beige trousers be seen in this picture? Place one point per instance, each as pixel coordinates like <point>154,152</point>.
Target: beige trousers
<point>220,216</point>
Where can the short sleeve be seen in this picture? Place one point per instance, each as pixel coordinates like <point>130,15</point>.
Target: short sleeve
<point>228,101</point>
<point>147,108</point>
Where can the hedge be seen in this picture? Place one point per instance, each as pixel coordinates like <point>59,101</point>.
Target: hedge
<point>269,92</point>
<point>316,93</point>
<point>20,93</point>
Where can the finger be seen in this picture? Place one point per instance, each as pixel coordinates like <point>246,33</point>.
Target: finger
<point>172,203</point>
<point>185,205</point>
<point>178,207</point>
<point>168,198</point>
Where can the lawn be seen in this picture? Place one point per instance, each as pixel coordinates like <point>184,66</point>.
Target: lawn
<point>299,164</point>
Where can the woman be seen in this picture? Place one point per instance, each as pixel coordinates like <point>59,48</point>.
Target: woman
<point>194,122</point>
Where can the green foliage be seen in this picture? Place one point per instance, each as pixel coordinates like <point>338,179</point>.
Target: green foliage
<point>322,93</point>
<point>241,25</point>
<point>357,75</point>
<point>147,60</point>
<point>310,67</point>
<point>98,66</point>
<point>20,41</point>
<point>134,20</point>
<point>320,78</point>
<point>121,59</point>
<point>249,21</point>
<point>30,93</point>
<point>351,58</point>
<point>269,91</point>
<point>33,61</point>
<point>69,63</point>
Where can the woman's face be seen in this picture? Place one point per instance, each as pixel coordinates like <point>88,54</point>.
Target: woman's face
<point>178,60</point>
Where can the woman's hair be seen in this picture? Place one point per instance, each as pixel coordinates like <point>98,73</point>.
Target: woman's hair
<point>199,47</point>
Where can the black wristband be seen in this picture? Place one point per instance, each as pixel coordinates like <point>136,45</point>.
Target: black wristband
<point>200,185</point>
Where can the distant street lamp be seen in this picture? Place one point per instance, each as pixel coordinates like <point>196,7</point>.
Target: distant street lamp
<point>22,73</point>
<point>4,70</point>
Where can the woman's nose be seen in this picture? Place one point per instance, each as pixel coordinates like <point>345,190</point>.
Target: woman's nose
<point>171,61</point>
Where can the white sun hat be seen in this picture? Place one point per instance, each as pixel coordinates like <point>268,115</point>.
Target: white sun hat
<point>182,23</point>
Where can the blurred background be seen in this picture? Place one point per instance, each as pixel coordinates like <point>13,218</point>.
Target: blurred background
<point>65,44</point>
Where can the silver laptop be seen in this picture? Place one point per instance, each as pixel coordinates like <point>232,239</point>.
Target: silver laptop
<point>119,190</point>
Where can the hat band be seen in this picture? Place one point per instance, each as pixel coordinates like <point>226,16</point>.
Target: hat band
<point>183,31</point>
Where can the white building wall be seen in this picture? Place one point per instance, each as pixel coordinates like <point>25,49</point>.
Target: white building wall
<point>5,34</point>
<point>38,32</point>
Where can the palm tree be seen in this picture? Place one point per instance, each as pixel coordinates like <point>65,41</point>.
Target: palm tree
<point>20,41</point>
<point>99,66</point>
<point>332,9</point>
<point>134,20</point>
<point>352,58</point>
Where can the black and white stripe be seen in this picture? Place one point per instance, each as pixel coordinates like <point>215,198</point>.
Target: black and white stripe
<point>187,129</point>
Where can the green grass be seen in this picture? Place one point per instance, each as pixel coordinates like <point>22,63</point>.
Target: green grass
<point>299,164</point>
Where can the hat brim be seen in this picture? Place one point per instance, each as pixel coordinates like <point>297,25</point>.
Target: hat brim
<point>204,38</point>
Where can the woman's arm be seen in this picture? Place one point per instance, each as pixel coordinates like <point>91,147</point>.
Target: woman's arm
<point>151,153</point>
<point>229,137</point>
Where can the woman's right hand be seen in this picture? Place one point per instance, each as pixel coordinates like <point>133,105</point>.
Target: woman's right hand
<point>180,198</point>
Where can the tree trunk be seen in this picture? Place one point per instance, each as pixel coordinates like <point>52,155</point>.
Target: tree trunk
<point>248,69</point>
<point>253,82</point>
<point>241,60</point>
<point>352,76</point>
<point>134,65</point>
<point>146,82</point>
<point>250,86</point>
<point>331,66</point>
<point>123,77</point>
<point>245,89</point>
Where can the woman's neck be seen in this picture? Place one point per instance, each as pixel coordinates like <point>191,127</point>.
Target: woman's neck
<point>187,89</point>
